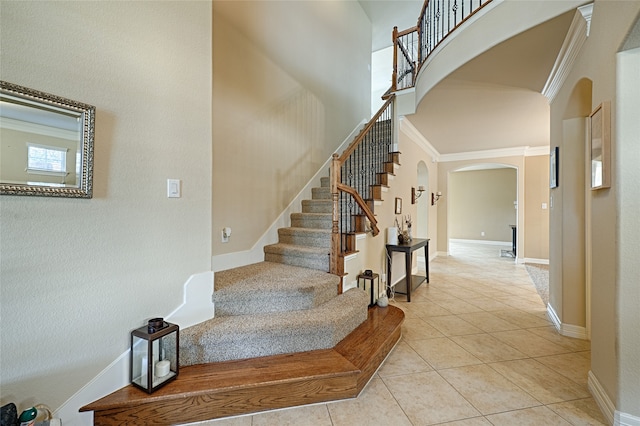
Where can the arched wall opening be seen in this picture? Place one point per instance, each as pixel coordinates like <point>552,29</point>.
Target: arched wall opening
<point>483,205</point>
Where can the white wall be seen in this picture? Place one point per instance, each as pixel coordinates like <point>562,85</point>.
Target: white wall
<point>77,276</point>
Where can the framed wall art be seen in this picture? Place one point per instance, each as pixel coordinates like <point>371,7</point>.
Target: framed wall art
<point>600,146</point>
<point>398,205</point>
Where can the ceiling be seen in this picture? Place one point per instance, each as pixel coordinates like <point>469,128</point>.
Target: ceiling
<point>493,101</point>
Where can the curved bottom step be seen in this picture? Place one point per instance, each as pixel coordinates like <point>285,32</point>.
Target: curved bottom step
<point>210,391</point>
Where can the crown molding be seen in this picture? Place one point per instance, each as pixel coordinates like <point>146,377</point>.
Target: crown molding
<point>410,130</point>
<point>520,151</point>
<point>575,38</point>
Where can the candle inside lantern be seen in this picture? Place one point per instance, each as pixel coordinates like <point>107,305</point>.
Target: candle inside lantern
<point>421,188</point>
<point>162,368</point>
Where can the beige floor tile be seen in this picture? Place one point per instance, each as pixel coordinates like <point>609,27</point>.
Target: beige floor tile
<point>475,421</point>
<point>452,325</point>
<point>487,348</point>
<point>457,306</point>
<point>488,322</point>
<point>582,412</point>
<point>418,329</point>
<point>443,353</point>
<point>424,309</point>
<point>529,343</point>
<point>228,421</point>
<point>488,303</point>
<point>536,416</point>
<point>404,307</point>
<point>550,333</point>
<point>374,406</point>
<point>572,365</point>
<point>474,381</point>
<point>544,384</point>
<point>311,415</point>
<point>428,399</point>
<point>521,319</point>
<point>403,360</point>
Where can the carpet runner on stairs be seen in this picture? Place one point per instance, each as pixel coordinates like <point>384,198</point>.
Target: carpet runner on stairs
<point>307,242</point>
<point>267,309</point>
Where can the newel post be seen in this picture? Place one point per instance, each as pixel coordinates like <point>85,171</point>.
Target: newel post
<point>334,260</point>
<point>394,76</point>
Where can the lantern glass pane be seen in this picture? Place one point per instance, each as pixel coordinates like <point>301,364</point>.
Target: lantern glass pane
<point>165,358</point>
<point>139,366</point>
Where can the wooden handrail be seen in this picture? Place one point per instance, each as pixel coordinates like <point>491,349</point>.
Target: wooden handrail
<point>363,205</point>
<point>353,145</point>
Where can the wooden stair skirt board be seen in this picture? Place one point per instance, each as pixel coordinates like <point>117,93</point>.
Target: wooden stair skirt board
<point>210,391</point>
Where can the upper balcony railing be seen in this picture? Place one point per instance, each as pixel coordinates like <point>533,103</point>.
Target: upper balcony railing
<point>438,19</point>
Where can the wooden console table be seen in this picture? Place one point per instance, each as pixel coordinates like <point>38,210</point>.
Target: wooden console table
<point>410,282</point>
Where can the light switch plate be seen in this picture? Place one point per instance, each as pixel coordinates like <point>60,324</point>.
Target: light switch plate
<point>173,188</point>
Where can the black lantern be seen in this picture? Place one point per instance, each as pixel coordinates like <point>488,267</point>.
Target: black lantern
<point>154,355</point>
<point>373,287</point>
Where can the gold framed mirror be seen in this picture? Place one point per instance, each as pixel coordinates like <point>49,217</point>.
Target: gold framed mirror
<point>46,144</point>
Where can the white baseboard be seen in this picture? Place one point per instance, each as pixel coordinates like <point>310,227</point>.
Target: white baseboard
<point>487,242</point>
<point>537,261</point>
<point>568,330</point>
<point>625,419</point>
<point>196,307</point>
<point>608,408</point>
<point>553,317</point>
<point>602,399</point>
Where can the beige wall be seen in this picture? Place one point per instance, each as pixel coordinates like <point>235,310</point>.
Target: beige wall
<point>290,82</point>
<point>76,276</point>
<point>614,350</point>
<point>536,205</point>
<point>482,201</point>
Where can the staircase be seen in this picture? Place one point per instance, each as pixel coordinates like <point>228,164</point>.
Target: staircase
<point>307,242</point>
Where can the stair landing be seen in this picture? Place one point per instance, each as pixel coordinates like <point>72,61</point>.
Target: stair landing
<point>210,391</point>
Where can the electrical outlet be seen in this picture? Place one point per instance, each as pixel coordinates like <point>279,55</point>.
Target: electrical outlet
<point>482,234</point>
<point>226,233</point>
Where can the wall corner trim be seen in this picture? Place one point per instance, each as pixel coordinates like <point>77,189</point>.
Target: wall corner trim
<point>575,38</point>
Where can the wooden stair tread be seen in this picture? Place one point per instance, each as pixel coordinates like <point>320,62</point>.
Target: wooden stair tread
<point>230,375</point>
<point>209,391</point>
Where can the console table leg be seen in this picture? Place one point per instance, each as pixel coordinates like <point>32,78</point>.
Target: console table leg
<point>407,260</point>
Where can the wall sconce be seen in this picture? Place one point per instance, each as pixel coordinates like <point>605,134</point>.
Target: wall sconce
<point>416,194</point>
<point>435,197</point>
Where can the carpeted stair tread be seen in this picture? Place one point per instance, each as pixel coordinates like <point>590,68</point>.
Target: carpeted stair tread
<point>312,237</point>
<point>317,206</point>
<point>266,287</point>
<point>296,255</point>
<point>250,336</point>
<point>311,220</point>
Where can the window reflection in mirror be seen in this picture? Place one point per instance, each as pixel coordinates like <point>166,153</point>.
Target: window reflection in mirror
<point>46,144</point>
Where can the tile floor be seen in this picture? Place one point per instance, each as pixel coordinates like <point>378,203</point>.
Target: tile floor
<point>477,349</point>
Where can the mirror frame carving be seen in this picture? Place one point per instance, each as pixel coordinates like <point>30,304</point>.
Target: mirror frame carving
<point>86,142</point>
